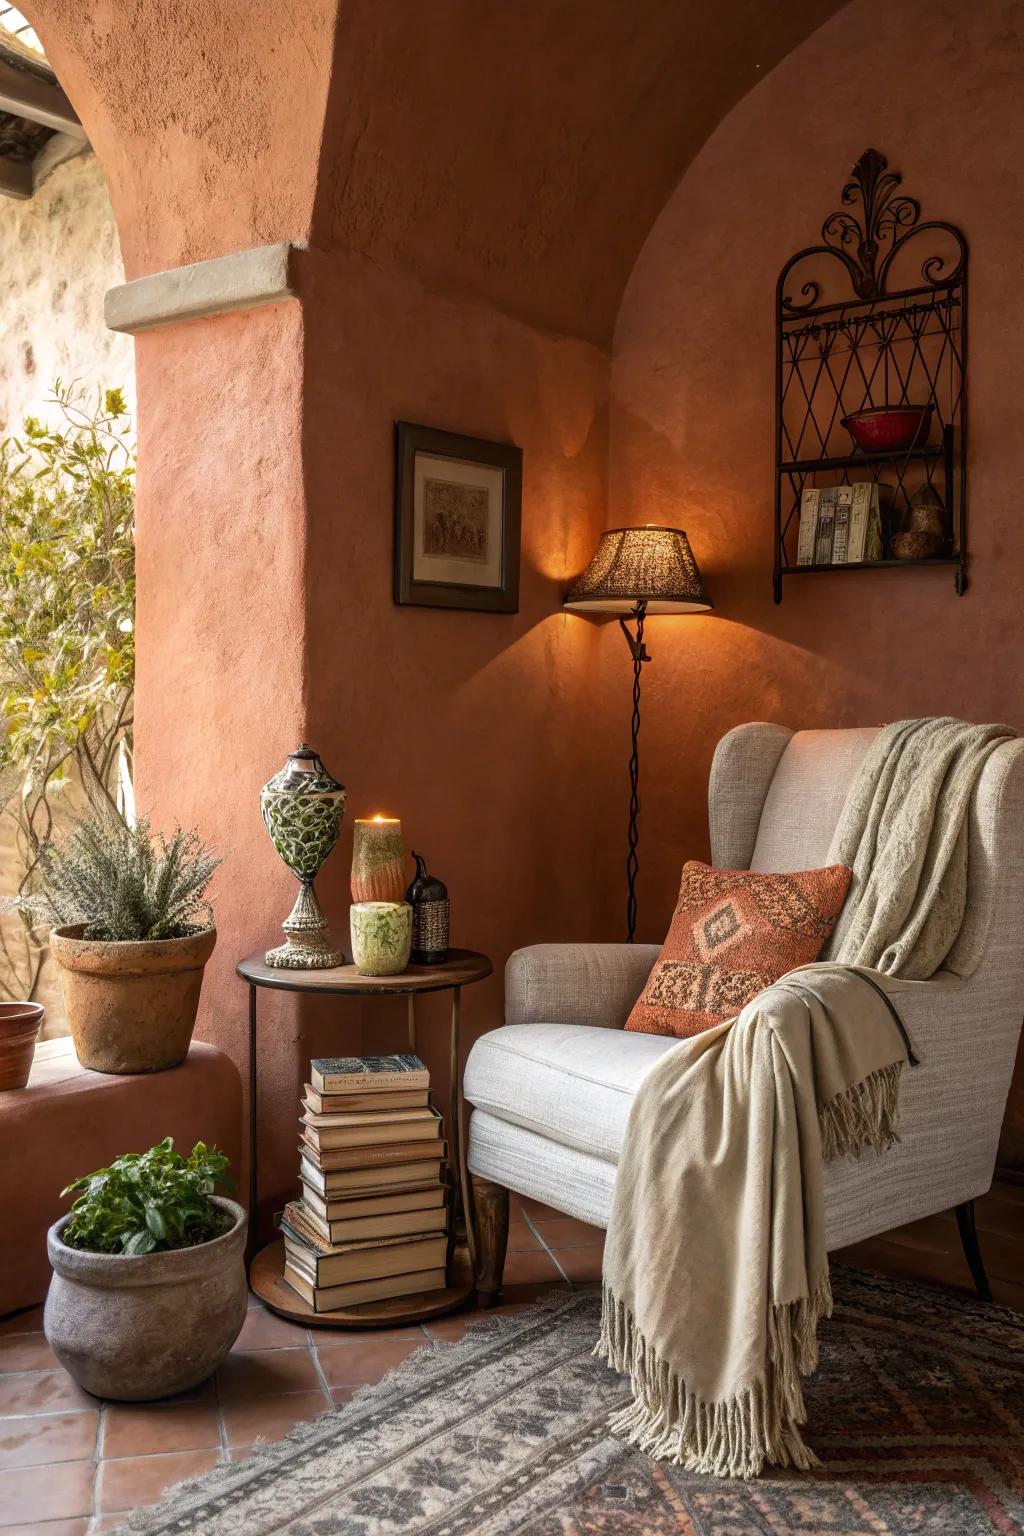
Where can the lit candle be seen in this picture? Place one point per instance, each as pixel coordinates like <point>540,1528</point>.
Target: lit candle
<point>378,859</point>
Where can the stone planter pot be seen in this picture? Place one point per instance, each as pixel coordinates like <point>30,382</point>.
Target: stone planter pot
<point>138,1329</point>
<point>131,1006</point>
<point>19,1027</point>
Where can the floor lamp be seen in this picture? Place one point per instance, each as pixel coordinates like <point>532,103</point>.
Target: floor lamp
<point>636,572</point>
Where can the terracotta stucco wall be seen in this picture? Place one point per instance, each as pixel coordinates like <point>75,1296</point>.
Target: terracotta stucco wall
<point>935,87</point>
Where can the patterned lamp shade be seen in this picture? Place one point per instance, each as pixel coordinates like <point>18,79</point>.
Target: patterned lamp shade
<point>632,565</point>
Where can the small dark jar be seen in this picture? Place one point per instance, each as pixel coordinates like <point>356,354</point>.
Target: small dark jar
<point>428,898</point>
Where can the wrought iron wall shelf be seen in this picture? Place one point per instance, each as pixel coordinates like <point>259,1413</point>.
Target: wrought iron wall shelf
<point>846,341</point>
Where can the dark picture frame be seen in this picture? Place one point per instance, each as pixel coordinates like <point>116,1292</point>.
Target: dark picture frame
<point>458,508</point>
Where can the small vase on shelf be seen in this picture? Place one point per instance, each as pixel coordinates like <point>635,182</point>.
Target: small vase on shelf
<point>302,808</point>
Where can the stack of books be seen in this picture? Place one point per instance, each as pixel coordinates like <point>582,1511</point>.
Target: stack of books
<point>372,1218</point>
<point>840,524</point>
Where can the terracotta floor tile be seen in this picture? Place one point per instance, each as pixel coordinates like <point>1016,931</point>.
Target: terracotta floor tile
<point>567,1232</point>
<point>528,1268</point>
<point>535,1210</point>
<point>104,1523</point>
<point>270,1418</point>
<point>353,1364</point>
<point>520,1237</point>
<point>581,1264</point>
<point>264,1330</point>
<point>46,1493</point>
<point>267,1373</point>
<point>29,1320</point>
<point>54,1437</point>
<point>342,1395</point>
<point>42,1392</point>
<point>140,1429</point>
<point>235,1453</point>
<point>50,1528</point>
<point>138,1480</point>
<point>26,1352</point>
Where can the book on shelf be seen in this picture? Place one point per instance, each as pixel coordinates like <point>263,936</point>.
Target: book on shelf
<point>809,499</point>
<point>334,1159</point>
<point>860,514</point>
<point>411,1197</point>
<point>368,1181</point>
<point>841,531</point>
<point>364,1130</point>
<point>330,1298</point>
<point>826,526</point>
<point>325,1263</point>
<point>356,1103</point>
<point>368,1074</point>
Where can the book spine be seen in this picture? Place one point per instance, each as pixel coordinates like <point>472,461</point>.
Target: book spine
<point>826,527</point>
<point>860,512</point>
<point>841,536</point>
<point>809,502</point>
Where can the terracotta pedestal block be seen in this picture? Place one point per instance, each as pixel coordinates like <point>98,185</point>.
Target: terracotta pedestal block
<point>69,1121</point>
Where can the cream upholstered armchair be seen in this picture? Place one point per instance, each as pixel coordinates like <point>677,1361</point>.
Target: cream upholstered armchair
<point>551,1090</point>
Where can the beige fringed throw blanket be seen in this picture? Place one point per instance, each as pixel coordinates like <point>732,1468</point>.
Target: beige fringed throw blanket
<point>715,1268</point>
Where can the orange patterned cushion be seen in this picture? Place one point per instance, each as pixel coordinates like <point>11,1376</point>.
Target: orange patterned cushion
<point>733,933</point>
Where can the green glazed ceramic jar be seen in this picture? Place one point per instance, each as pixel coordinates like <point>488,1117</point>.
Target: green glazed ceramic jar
<point>381,937</point>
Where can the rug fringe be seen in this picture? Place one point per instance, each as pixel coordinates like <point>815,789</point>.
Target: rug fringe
<point>735,1438</point>
<point>863,1115</point>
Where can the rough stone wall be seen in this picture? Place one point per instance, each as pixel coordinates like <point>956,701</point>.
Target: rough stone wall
<point>59,253</point>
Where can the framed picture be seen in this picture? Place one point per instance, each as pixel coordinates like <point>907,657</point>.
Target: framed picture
<point>457,511</point>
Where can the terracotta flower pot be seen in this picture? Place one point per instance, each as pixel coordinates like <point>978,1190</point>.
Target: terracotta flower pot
<point>131,1006</point>
<point>137,1329</point>
<point>19,1026</point>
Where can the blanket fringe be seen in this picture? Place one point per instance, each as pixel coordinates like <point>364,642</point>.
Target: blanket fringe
<point>736,1438</point>
<point>864,1115</point>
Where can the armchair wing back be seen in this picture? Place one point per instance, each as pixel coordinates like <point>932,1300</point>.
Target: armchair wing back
<point>552,1089</point>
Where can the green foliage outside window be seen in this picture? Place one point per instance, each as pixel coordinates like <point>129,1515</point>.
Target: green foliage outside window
<point>67,633</point>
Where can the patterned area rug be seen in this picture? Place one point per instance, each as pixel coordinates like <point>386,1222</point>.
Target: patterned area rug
<point>917,1413</point>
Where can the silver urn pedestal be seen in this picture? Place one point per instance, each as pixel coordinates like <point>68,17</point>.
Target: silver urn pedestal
<point>302,810</point>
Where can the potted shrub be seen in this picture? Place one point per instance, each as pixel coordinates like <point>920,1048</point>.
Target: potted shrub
<point>148,1291</point>
<point>131,932</point>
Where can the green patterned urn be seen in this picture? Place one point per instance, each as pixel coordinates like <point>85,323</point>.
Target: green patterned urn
<point>302,810</point>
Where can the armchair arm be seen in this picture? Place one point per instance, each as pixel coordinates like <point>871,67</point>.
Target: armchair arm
<point>576,983</point>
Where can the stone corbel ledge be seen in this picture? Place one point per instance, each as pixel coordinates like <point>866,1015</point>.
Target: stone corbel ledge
<point>243,280</point>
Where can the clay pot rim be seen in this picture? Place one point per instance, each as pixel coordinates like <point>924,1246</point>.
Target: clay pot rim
<point>173,1265</point>
<point>74,933</point>
<point>28,1012</point>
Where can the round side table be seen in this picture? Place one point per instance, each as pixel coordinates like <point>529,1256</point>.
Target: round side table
<point>266,1267</point>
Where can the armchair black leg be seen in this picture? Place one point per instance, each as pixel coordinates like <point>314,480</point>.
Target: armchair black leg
<point>972,1250</point>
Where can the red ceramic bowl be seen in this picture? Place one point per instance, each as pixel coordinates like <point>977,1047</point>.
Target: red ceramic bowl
<point>889,428</point>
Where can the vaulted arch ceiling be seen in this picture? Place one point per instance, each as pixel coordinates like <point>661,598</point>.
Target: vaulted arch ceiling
<point>523,148</point>
<point>518,149</point>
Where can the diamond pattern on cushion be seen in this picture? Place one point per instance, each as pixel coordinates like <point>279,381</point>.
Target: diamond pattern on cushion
<point>733,933</point>
<point>718,930</point>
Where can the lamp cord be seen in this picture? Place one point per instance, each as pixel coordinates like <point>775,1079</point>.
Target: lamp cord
<point>633,861</point>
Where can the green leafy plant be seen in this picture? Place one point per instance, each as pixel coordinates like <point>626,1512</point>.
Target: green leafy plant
<point>149,1201</point>
<point>67,633</point>
<point>122,883</point>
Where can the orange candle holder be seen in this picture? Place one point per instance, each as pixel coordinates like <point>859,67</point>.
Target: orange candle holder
<point>378,859</point>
